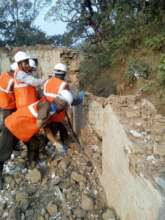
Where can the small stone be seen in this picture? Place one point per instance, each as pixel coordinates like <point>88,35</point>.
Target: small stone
<point>46,217</point>
<point>79,213</point>
<point>141,148</point>
<point>87,203</point>
<point>56,180</point>
<point>159,149</point>
<point>30,214</point>
<point>24,171</point>
<point>40,218</point>
<point>109,214</point>
<point>77,177</point>
<point>51,208</point>
<point>135,133</point>
<point>62,164</point>
<point>20,196</point>
<point>22,200</point>
<point>74,146</point>
<point>34,176</point>
<point>5,215</point>
<point>18,180</point>
<point>22,216</point>
<point>132,114</point>
<point>66,210</point>
<point>24,154</point>
<point>160,181</point>
<point>43,212</point>
<point>12,157</point>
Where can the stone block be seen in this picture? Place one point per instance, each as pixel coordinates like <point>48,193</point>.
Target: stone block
<point>159,149</point>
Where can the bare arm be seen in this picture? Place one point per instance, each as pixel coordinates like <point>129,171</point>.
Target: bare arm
<point>53,140</point>
<point>50,135</point>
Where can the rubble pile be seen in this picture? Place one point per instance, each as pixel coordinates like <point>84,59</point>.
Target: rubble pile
<point>144,127</point>
<point>64,187</point>
<point>146,131</point>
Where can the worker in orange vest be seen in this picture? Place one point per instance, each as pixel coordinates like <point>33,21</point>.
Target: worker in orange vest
<point>24,83</point>
<point>52,87</point>
<point>25,123</point>
<point>7,99</point>
<point>7,105</point>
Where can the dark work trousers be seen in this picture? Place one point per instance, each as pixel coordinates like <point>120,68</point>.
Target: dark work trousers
<point>5,113</point>
<point>7,143</point>
<point>7,140</point>
<point>54,127</point>
<point>59,127</point>
<point>33,147</point>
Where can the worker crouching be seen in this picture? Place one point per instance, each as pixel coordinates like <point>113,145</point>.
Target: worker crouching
<point>25,124</point>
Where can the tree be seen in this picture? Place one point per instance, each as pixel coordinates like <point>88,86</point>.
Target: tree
<point>16,22</point>
<point>98,19</point>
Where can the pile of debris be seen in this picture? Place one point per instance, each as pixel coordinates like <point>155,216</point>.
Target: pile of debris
<point>64,187</point>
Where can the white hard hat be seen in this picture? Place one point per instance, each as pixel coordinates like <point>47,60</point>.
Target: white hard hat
<point>32,63</point>
<point>66,95</point>
<point>14,66</point>
<point>61,67</point>
<point>20,56</point>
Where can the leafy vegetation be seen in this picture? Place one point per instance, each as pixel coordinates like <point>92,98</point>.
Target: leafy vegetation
<point>156,42</point>
<point>136,70</point>
<point>108,30</point>
<point>161,76</point>
<point>16,22</point>
<point>103,30</point>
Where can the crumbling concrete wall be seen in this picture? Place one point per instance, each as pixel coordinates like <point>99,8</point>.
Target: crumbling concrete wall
<point>124,137</point>
<point>47,56</point>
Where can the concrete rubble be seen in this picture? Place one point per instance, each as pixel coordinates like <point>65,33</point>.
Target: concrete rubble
<point>63,188</point>
<point>122,164</point>
<point>125,137</point>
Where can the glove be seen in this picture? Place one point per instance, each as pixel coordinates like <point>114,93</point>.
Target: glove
<point>78,99</point>
<point>53,108</point>
<point>81,94</point>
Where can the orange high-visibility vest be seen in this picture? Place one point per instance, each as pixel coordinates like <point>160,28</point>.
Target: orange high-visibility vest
<point>24,94</point>
<point>52,88</point>
<point>23,123</point>
<point>7,99</point>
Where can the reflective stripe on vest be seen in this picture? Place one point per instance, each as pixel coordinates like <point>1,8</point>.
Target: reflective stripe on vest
<point>32,109</point>
<point>25,94</point>
<point>7,98</point>
<point>10,83</point>
<point>53,94</point>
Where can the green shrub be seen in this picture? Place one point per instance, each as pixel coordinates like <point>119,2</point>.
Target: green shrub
<point>156,42</point>
<point>148,87</point>
<point>161,75</point>
<point>94,63</point>
<point>136,70</point>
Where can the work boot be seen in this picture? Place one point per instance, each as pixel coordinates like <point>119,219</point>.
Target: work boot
<point>30,163</point>
<point>33,158</point>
